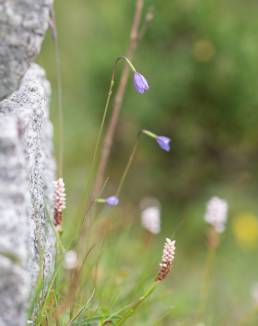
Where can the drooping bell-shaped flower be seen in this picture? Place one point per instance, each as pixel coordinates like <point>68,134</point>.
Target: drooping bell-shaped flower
<point>112,201</point>
<point>140,83</point>
<point>164,142</point>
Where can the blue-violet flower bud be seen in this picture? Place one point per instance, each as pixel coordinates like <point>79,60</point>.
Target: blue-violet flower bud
<point>140,83</point>
<point>112,201</point>
<point>164,142</point>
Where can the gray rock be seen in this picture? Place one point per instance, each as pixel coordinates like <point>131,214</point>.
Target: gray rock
<point>14,226</point>
<point>27,172</point>
<point>22,27</point>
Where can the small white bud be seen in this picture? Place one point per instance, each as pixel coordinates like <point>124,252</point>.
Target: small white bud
<point>150,215</point>
<point>70,260</point>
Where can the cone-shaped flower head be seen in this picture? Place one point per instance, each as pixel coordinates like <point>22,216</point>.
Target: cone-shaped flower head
<point>216,213</point>
<point>140,83</point>
<point>60,200</point>
<point>150,215</point>
<point>60,195</point>
<point>112,201</point>
<point>167,259</point>
<point>164,143</point>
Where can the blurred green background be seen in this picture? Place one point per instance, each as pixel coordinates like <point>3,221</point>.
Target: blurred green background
<point>201,61</point>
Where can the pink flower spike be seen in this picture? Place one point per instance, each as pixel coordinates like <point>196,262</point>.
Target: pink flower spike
<point>60,201</point>
<point>166,260</point>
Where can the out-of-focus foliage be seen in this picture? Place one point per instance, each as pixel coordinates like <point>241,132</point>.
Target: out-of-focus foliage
<point>200,58</point>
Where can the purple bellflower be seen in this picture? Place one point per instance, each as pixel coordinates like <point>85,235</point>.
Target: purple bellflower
<point>140,83</point>
<point>164,143</point>
<point>112,201</point>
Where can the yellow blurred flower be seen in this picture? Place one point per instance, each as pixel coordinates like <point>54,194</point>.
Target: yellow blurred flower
<point>203,50</point>
<point>245,229</point>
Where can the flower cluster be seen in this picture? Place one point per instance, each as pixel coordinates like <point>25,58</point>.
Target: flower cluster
<point>59,201</point>
<point>216,213</point>
<point>151,219</point>
<point>167,259</point>
<point>150,215</point>
<point>71,260</point>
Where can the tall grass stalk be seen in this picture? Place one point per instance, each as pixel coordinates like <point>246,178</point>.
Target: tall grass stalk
<point>130,310</point>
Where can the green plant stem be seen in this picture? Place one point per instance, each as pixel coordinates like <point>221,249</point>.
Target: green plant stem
<point>149,133</point>
<point>129,311</point>
<point>104,116</point>
<point>206,279</point>
<point>81,229</point>
<point>118,100</point>
<point>110,90</point>
<point>128,165</point>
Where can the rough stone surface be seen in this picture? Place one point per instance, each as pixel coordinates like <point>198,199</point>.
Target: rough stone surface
<point>14,226</point>
<point>27,172</point>
<point>22,27</point>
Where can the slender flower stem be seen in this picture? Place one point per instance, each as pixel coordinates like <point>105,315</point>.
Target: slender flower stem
<point>128,165</point>
<point>100,201</point>
<point>118,100</point>
<point>149,133</point>
<point>82,228</point>
<point>111,85</point>
<point>207,273</point>
<point>129,63</point>
<point>100,132</point>
<point>206,280</point>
